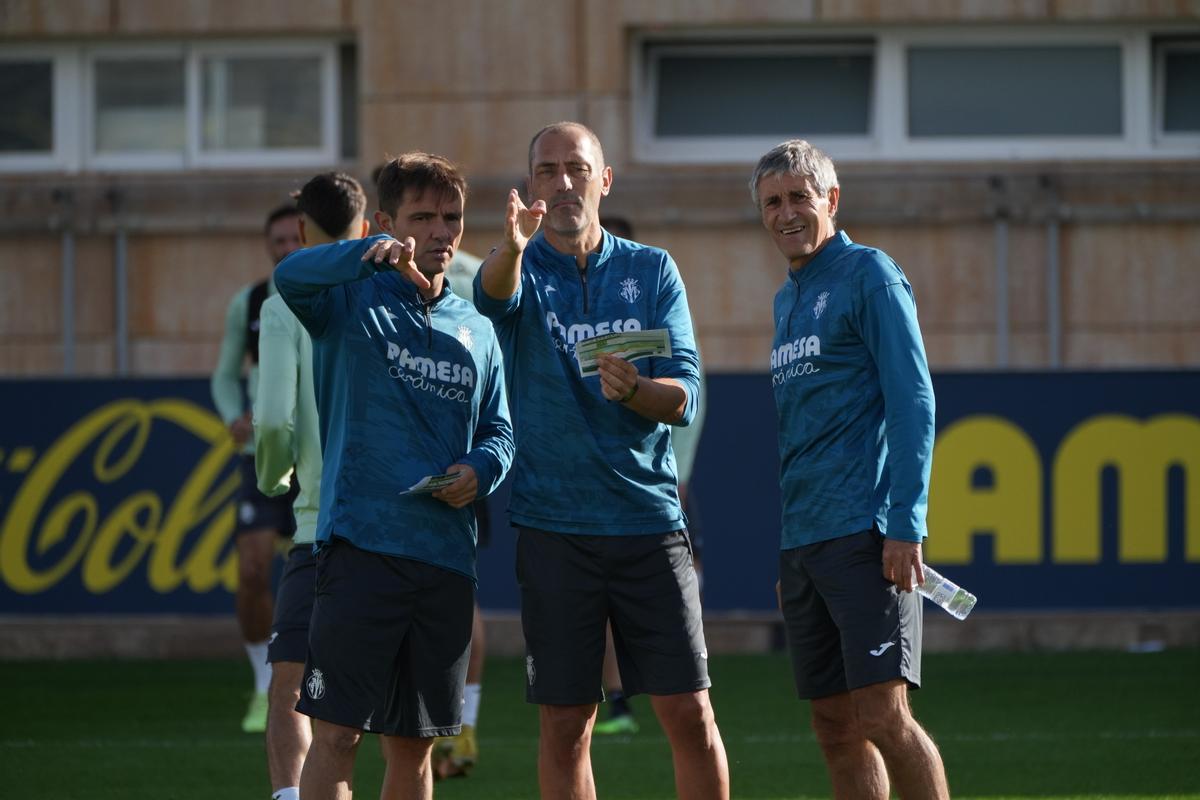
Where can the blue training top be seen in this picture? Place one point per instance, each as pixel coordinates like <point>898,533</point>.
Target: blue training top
<point>586,465</point>
<point>854,398</point>
<point>405,388</point>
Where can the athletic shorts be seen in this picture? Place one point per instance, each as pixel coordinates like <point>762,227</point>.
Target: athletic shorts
<point>293,606</point>
<point>256,511</point>
<point>847,626</point>
<point>388,644</point>
<point>571,585</point>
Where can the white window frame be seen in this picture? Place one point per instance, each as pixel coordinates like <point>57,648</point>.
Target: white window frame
<point>1141,102</point>
<point>686,149</point>
<point>167,160</point>
<point>1171,141</point>
<point>65,70</point>
<point>327,153</point>
<point>74,105</point>
<point>1134,96</point>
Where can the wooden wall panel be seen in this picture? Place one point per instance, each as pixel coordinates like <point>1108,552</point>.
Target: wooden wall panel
<point>447,49</point>
<point>488,138</point>
<point>30,287</point>
<point>180,287</point>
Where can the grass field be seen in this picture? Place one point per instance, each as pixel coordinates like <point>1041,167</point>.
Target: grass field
<point>1077,725</point>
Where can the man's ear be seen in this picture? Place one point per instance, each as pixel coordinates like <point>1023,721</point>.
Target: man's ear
<point>835,194</point>
<point>303,233</point>
<point>384,221</point>
<point>364,229</point>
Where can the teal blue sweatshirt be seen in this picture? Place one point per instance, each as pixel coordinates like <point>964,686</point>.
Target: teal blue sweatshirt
<point>854,398</point>
<point>405,388</point>
<point>585,465</point>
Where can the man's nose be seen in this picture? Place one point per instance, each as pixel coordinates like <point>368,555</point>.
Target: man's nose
<point>562,182</point>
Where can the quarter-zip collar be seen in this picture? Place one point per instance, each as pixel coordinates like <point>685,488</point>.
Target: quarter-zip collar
<point>566,262</point>
<point>409,291</point>
<point>821,261</point>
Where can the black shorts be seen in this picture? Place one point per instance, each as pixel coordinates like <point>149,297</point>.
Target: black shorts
<point>388,644</point>
<point>571,585</point>
<point>847,626</point>
<point>256,511</point>
<point>293,606</point>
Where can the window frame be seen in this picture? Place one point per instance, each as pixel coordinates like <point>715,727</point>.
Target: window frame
<point>689,149</point>
<point>166,160</point>
<point>74,107</point>
<point>65,113</point>
<point>1141,78</point>
<point>1163,138</point>
<point>327,153</point>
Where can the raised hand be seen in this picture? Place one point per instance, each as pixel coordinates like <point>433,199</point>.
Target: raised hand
<point>521,223</point>
<point>400,256</point>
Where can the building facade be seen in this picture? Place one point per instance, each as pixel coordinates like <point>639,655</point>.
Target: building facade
<point>1033,165</point>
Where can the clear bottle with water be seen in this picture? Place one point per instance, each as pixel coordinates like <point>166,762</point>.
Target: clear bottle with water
<point>957,601</point>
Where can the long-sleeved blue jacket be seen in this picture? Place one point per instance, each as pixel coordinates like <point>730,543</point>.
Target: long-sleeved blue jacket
<point>585,465</point>
<point>854,398</point>
<point>405,388</point>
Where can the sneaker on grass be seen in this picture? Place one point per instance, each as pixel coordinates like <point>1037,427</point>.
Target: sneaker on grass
<point>255,720</point>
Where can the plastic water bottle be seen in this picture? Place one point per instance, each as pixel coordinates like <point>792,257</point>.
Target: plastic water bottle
<point>957,601</point>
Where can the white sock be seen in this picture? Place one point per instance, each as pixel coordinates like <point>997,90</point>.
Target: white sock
<point>471,703</point>
<point>257,653</point>
<point>290,793</point>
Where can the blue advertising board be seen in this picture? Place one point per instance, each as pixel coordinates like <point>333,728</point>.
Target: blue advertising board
<point>1049,491</point>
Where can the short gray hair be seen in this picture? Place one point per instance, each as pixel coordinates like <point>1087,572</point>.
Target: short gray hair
<point>795,157</point>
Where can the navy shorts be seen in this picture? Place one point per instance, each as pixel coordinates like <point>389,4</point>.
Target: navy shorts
<point>293,606</point>
<point>572,585</point>
<point>388,644</point>
<point>847,626</point>
<point>256,511</point>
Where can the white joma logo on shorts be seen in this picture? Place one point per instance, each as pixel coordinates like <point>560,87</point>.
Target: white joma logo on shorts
<point>881,649</point>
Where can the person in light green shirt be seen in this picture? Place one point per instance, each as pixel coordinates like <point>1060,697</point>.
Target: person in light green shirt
<point>287,451</point>
<point>260,520</point>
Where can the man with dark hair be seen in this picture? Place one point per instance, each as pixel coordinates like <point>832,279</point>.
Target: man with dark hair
<point>602,537</point>
<point>455,756</point>
<point>410,385</point>
<point>260,519</point>
<point>287,441</point>
<point>856,421</point>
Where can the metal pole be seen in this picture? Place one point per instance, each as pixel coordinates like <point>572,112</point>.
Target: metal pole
<point>121,299</point>
<point>1002,291</point>
<point>1053,303</point>
<point>68,301</point>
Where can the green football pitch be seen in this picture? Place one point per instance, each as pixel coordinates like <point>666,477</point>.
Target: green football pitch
<point>1074,725</point>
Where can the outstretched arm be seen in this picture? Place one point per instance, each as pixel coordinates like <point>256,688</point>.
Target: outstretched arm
<point>500,274</point>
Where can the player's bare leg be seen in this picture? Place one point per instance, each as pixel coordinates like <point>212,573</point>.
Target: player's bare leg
<point>329,769</point>
<point>289,733</point>
<point>564,752</point>
<point>255,550</point>
<point>912,759</point>
<point>701,768</point>
<point>408,775</point>
<point>856,768</point>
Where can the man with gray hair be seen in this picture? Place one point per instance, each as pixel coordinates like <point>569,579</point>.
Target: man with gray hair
<point>856,408</point>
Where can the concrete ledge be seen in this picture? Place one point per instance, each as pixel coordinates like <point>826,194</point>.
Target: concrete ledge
<point>179,637</point>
